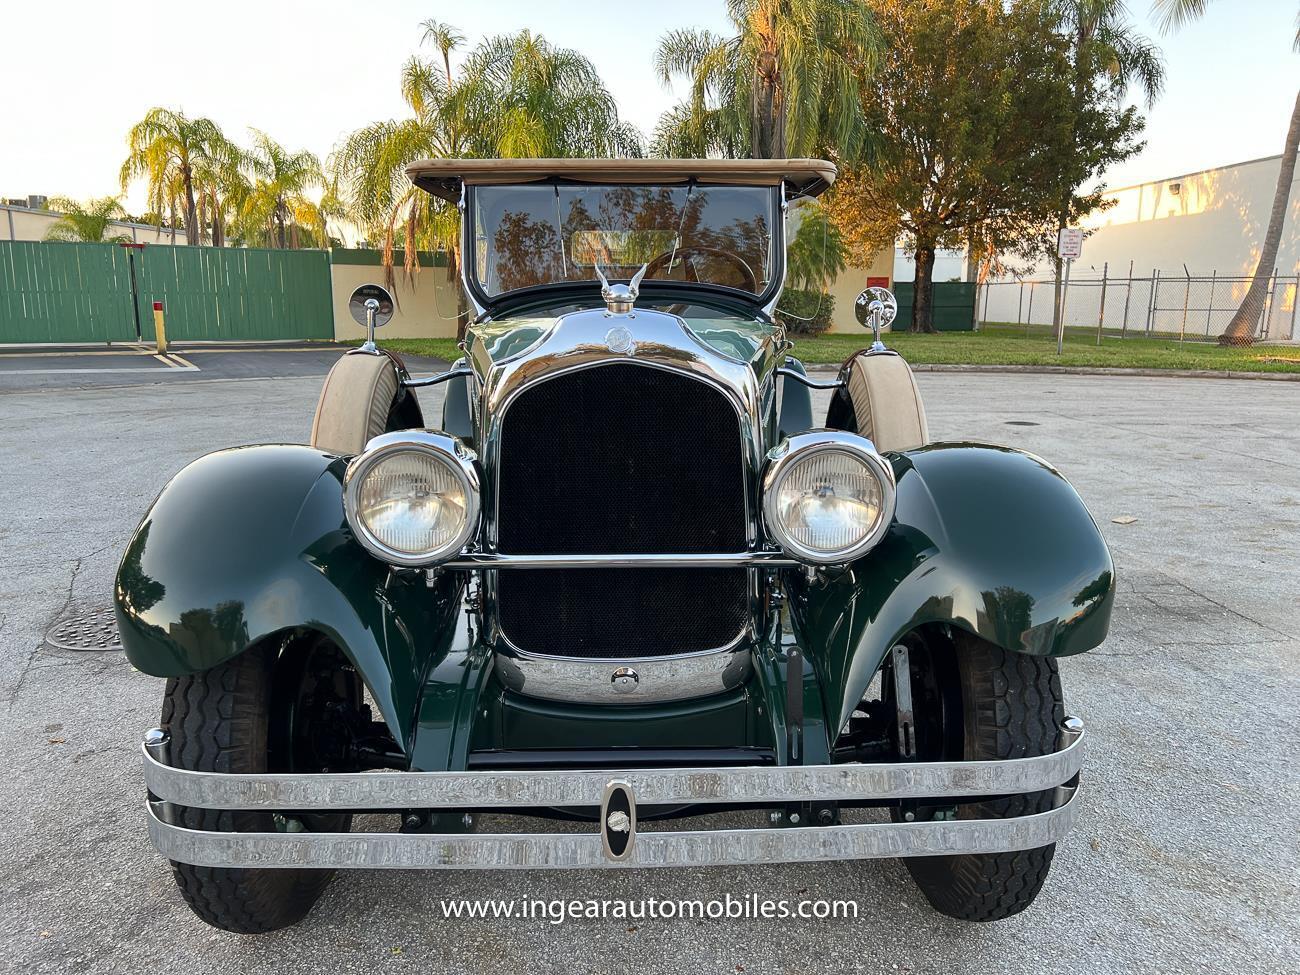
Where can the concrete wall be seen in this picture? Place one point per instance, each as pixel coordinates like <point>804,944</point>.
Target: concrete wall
<point>426,301</point>
<point>846,288</point>
<point>20,223</point>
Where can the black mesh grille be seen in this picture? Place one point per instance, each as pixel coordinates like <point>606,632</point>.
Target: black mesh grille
<point>621,459</point>
<point>621,612</point>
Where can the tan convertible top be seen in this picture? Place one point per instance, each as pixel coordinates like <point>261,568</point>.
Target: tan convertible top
<point>443,177</point>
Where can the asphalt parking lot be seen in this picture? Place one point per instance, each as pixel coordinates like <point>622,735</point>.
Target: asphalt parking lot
<point>1185,858</point>
<point>76,367</point>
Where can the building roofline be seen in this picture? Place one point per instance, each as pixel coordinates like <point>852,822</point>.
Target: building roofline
<point>1198,172</point>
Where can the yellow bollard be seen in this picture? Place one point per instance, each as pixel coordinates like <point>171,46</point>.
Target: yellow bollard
<point>159,330</point>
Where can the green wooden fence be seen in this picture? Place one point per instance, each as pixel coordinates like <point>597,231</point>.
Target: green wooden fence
<point>954,305</point>
<point>56,292</point>
<point>65,293</point>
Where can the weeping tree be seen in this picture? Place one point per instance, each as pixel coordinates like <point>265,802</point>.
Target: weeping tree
<point>1241,328</point>
<point>514,96</point>
<point>90,223</point>
<point>783,85</point>
<point>971,111</point>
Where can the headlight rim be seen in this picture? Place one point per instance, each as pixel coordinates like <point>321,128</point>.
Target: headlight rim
<point>782,459</point>
<point>446,449</point>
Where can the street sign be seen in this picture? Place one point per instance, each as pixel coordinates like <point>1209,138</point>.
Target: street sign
<point>1069,244</point>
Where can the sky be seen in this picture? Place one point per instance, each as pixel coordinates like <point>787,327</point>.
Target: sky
<point>76,74</point>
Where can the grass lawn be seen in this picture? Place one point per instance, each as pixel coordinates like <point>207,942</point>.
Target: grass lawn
<point>999,345</point>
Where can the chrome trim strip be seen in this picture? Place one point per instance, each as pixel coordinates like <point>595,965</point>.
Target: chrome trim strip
<point>485,560</point>
<point>654,680</point>
<point>513,789</point>
<point>687,848</point>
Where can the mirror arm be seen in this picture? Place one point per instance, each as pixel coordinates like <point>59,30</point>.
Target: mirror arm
<point>796,375</point>
<point>440,378</point>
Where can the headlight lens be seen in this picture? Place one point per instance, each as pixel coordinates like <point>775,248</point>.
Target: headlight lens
<point>828,496</point>
<point>412,497</point>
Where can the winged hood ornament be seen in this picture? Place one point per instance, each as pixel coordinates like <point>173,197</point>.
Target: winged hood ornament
<point>620,298</point>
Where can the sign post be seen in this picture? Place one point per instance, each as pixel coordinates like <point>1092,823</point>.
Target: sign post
<point>1069,246</point>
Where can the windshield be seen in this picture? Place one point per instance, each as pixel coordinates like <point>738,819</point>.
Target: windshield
<point>537,234</point>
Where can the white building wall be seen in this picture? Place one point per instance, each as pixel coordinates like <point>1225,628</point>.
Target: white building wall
<point>1203,223</point>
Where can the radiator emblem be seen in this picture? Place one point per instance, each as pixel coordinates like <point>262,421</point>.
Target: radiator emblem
<point>619,339</point>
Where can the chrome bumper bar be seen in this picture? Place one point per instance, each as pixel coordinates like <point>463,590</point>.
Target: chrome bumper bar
<point>776,786</point>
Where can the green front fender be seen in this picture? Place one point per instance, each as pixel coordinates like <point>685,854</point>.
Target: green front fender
<point>249,542</point>
<point>985,538</point>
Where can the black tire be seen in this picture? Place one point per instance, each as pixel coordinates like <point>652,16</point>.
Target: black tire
<point>998,705</point>
<point>233,719</point>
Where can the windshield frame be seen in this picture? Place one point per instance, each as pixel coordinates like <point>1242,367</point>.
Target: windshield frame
<point>651,288</point>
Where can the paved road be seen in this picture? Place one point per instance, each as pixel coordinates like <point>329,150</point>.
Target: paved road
<point>1185,859</point>
<point>75,367</point>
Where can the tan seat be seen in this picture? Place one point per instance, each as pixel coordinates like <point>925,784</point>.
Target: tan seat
<point>886,402</point>
<point>355,403</point>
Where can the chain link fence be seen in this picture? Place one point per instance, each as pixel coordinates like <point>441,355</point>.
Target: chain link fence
<point>1185,307</point>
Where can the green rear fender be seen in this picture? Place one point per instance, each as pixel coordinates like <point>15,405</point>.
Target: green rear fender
<point>249,542</point>
<point>985,538</point>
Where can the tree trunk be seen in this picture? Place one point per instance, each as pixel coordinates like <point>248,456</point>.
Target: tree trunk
<point>923,290</point>
<point>768,121</point>
<point>192,230</point>
<point>1241,330</point>
<point>218,223</point>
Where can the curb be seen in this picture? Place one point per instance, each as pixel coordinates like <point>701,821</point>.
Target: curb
<point>825,369</point>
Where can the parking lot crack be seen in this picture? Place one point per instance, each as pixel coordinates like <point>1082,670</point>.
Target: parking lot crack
<point>31,655</point>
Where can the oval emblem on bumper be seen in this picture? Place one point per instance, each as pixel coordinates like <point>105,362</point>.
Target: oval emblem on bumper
<point>618,820</point>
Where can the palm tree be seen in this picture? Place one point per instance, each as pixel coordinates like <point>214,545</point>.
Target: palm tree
<point>1241,328</point>
<point>88,224</point>
<point>446,39</point>
<point>278,199</point>
<point>1104,49</point>
<point>784,84</point>
<point>165,147</point>
<point>515,95</point>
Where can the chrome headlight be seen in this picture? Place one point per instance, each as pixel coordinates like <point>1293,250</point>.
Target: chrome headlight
<point>828,497</point>
<point>412,497</point>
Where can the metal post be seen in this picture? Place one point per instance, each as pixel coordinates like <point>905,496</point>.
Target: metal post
<point>1209,311</point>
<point>1187,294</point>
<point>159,329</point>
<point>1295,300</point>
<point>1029,318</point>
<point>1128,293</point>
<point>1065,290</point>
<point>1101,311</point>
<point>1151,303</point>
<point>1020,305</point>
<point>986,304</point>
<point>1269,301</point>
<point>372,306</point>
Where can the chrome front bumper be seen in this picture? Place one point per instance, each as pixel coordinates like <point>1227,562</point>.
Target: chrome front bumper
<point>516,791</point>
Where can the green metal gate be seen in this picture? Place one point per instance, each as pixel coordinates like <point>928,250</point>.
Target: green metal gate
<point>57,292</point>
<point>954,305</point>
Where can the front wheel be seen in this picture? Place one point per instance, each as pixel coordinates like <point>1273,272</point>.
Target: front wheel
<point>274,708</point>
<point>975,701</point>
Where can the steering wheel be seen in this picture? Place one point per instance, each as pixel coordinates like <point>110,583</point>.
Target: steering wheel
<point>735,260</point>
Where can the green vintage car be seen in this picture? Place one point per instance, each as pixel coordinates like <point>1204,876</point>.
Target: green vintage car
<point>625,576</point>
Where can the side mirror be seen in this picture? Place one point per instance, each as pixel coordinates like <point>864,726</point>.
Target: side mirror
<point>371,307</point>
<point>876,308</point>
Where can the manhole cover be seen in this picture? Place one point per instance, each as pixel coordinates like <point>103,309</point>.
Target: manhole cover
<point>95,630</point>
<point>1023,423</point>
